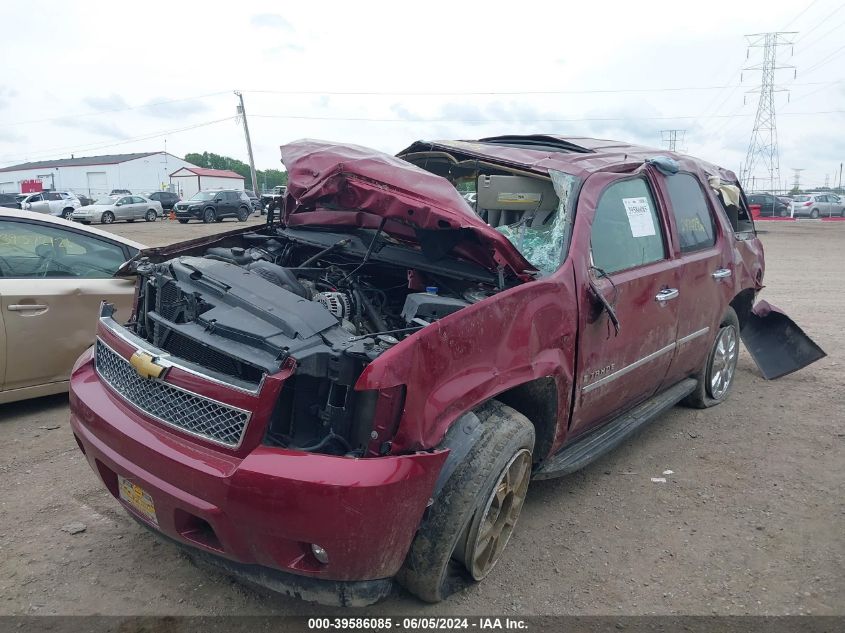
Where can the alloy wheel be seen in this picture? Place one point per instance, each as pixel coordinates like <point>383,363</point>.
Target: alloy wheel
<point>487,538</point>
<point>723,365</point>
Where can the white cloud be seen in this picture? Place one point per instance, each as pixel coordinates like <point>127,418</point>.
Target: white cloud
<point>441,47</point>
<point>270,20</point>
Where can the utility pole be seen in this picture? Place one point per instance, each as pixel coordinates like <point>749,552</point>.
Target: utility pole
<point>763,147</point>
<point>840,178</point>
<point>242,114</point>
<point>672,138</point>
<point>827,181</point>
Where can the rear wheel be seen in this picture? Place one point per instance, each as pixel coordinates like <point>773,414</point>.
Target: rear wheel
<point>209,216</point>
<point>784,213</point>
<point>814,213</point>
<point>717,375</point>
<point>473,516</point>
<point>150,215</point>
<point>243,214</point>
<point>107,217</point>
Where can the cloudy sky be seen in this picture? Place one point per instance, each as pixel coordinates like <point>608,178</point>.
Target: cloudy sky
<point>89,78</point>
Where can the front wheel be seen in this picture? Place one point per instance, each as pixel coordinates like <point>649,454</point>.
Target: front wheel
<point>151,215</point>
<point>717,376</point>
<point>784,213</point>
<point>814,214</point>
<point>209,216</point>
<point>469,524</point>
<point>107,217</point>
<point>66,213</point>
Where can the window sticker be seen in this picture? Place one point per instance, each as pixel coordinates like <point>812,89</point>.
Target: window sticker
<point>639,217</point>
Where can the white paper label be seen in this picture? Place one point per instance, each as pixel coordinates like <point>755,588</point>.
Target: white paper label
<point>639,216</point>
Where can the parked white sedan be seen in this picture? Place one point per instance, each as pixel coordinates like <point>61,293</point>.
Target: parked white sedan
<point>112,208</point>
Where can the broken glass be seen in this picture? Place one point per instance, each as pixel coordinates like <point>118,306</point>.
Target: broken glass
<point>543,245</point>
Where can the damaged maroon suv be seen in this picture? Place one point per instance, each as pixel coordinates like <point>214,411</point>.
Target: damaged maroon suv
<point>361,390</point>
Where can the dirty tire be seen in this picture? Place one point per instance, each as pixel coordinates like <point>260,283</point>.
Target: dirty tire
<point>150,215</point>
<point>432,570</point>
<point>181,221</point>
<point>107,217</point>
<point>243,214</point>
<point>209,216</point>
<point>703,397</point>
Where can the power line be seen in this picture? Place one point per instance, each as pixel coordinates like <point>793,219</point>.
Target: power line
<point>92,147</point>
<point>298,117</point>
<point>491,93</point>
<point>820,22</point>
<point>823,61</point>
<point>821,37</point>
<point>803,11</point>
<point>107,111</point>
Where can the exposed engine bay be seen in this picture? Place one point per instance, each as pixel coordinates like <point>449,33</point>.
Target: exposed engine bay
<point>326,302</point>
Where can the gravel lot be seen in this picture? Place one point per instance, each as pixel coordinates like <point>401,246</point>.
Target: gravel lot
<point>750,522</point>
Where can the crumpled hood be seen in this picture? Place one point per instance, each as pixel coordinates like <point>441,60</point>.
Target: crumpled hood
<point>348,185</point>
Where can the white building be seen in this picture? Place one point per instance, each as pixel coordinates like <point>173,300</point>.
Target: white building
<point>190,179</point>
<point>96,175</point>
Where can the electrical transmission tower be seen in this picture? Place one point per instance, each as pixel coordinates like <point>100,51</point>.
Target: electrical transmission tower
<point>763,148</point>
<point>672,139</point>
<point>796,184</point>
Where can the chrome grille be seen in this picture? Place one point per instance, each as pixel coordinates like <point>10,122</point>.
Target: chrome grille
<point>174,406</point>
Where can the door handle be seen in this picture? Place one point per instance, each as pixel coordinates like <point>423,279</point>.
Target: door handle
<point>26,307</point>
<point>722,273</point>
<point>666,294</point>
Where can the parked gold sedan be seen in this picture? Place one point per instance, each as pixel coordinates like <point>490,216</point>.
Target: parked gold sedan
<point>53,275</point>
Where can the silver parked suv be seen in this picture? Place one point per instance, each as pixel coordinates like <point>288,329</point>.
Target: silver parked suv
<point>60,203</point>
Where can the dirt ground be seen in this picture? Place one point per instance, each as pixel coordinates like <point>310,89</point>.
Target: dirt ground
<point>749,522</point>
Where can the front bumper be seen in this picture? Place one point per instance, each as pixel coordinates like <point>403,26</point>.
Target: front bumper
<point>189,214</point>
<point>255,507</point>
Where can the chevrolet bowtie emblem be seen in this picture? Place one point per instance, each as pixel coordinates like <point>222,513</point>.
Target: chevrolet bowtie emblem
<point>145,365</point>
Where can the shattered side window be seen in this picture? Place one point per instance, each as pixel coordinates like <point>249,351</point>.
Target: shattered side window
<point>543,245</point>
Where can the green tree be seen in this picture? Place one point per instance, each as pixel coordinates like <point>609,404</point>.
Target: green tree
<point>267,178</point>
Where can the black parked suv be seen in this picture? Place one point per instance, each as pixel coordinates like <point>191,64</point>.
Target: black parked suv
<point>9,200</point>
<point>214,206</point>
<point>770,206</point>
<point>166,198</point>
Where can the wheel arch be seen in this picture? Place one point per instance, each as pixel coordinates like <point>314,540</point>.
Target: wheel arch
<point>538,401</point>
<point>535,399</point>
<point>742,304</point>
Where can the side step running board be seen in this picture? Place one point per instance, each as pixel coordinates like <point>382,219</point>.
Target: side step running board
<point>609,436</point>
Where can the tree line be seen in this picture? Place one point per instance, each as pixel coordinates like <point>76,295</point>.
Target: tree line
<point>267,178</point>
